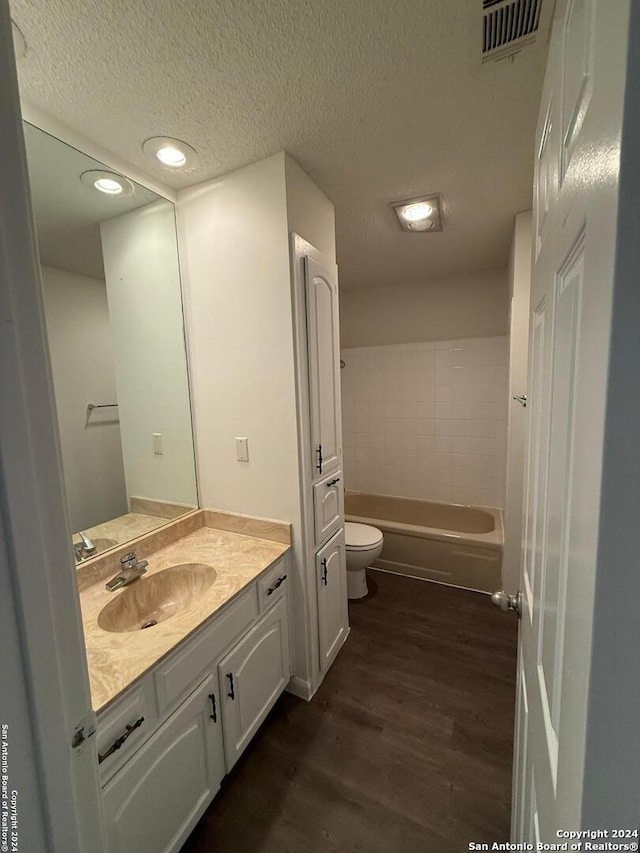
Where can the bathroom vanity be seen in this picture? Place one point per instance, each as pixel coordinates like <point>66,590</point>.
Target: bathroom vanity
<point>180,695</point>
<point>185,662</point>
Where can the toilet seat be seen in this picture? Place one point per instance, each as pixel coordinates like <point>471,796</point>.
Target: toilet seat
<point>361,537</point>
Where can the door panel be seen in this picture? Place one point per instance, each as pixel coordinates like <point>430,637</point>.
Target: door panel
<point>153,803</point>
<point>328,507</point>
<point>577,74</point>
<point>333,617</point>
<point>323,335</point>
<point>252,676</point>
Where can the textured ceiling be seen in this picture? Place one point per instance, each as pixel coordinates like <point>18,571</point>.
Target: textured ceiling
<point>378,100</point>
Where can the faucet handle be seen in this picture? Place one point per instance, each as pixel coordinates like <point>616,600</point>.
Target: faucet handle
<point>129,558</point>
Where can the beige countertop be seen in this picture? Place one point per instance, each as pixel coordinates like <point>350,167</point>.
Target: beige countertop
<point>121,529</point>
<point>116,660</point>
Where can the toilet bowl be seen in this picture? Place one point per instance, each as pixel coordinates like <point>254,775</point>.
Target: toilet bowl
<point>364,545</point>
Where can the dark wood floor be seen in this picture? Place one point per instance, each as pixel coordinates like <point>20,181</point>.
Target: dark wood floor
<point>406,747</point>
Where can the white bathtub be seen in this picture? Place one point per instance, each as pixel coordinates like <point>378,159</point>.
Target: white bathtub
<point>448,543</point>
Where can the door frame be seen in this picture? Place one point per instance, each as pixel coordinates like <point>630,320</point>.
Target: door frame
<point>59,805</point>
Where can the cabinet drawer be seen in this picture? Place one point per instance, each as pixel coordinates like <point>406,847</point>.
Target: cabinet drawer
<point>328,506</point>
<point>177,674</point>
<point>273,584</point>
<point>137,704</point>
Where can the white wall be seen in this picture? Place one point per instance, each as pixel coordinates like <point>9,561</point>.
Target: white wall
<point>145,305</point>
<point>82,360</point>
<point>234,240</point>
<point>309,212</point>
<point>469,306</point>
<point>519,289</point>
<point>427,420</point>
<point>236,261</point>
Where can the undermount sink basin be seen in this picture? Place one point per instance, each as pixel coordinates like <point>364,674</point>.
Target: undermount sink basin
<point>154,599</point>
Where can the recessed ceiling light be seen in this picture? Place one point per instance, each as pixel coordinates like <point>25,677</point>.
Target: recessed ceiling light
<point>420,214</point>
<point>171,153</point>
<point>417,211</point>
<point>109,183</point>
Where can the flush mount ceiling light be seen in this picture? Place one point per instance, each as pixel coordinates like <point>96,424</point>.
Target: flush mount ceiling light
<point>109,183</point>
<point>171,153</point>
<point>420,214</point>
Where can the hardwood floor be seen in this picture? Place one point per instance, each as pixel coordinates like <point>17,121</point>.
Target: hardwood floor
<point>406,747</point>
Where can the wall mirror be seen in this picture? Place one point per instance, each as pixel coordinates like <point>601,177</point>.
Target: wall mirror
<point>113,311</point>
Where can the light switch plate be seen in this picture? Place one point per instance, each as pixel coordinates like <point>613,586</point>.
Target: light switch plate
<point>242,449</point>
<point>157,444</point>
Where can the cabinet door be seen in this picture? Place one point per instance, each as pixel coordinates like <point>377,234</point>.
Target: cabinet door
<point>155,800</point>
<point>252,676</point>
<point>321,286</point>
<point>333,614</point>
<point>328,506</point>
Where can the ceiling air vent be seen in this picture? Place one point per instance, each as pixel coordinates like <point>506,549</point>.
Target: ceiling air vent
<point>508,26</point>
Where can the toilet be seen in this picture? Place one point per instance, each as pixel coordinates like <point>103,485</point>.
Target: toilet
<point>364,545</point>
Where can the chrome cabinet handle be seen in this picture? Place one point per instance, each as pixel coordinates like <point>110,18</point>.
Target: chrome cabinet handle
<point>119,741</point>
<point>333,482</point>
<point>522,399</point>
<point>278,583</point>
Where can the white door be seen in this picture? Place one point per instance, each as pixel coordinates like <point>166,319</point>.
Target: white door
<point>333,615</point>
<point>323,336</point>
<point>252,676</point>
<point>152,803</point>
<point>571,766</point>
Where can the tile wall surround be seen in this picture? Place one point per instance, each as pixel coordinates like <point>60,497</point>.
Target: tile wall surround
<point>427,420</point>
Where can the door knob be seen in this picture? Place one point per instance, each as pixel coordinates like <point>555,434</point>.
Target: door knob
<point>506,602</point>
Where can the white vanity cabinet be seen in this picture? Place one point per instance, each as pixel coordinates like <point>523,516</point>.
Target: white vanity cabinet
<point>154,801</point>
<point>200,706</point>
<point>331,580</point>
<point>252,676</point>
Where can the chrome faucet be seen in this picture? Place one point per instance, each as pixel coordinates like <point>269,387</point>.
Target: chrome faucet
<point>85,548</point>
<point>131,570</point>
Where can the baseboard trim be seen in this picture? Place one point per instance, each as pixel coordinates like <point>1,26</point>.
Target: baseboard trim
<point>300,687</point>
<point>306,690</point>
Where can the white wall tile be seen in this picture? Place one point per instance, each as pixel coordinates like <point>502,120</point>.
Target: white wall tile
<point>427,420</point>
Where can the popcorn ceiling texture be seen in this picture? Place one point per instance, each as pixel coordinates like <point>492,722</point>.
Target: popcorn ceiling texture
<point>377,101</point>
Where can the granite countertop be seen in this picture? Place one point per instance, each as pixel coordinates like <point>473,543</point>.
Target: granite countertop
<point>116,660</point>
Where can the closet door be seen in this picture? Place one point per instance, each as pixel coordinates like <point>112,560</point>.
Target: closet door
<point>321,286</point>
<point>333,615</point>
